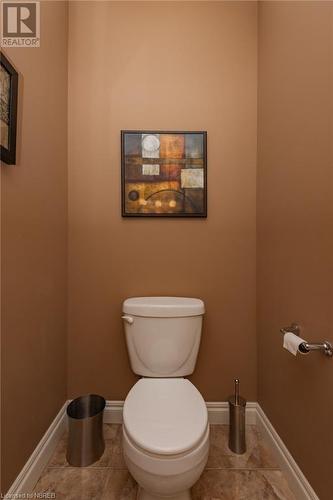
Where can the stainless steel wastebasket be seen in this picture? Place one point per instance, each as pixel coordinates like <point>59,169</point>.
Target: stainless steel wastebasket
<point>85,425</point>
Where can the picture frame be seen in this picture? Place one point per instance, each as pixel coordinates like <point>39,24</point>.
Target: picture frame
<point>8,110</point>
<point>164,173</point>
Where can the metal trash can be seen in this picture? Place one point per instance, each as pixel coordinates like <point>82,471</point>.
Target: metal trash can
<point>85,421</point>
<point>237,406</point>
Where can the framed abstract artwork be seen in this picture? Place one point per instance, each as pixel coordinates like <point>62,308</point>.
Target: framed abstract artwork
<point>8,110</point>
<point>164,174</point>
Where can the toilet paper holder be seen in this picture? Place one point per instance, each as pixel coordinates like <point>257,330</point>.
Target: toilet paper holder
<point>325,347</point>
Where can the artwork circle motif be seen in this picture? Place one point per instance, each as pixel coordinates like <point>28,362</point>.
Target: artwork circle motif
<point>133,195</point>
<point>151,143</point>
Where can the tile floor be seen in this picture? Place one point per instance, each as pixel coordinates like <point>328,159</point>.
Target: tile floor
<point>252,476</point>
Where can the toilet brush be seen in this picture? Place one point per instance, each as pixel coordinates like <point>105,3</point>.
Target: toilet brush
<point>237,406</point>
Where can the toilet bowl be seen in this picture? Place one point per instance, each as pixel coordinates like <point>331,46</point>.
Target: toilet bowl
<point>165,437</point>
<point>165,419</point>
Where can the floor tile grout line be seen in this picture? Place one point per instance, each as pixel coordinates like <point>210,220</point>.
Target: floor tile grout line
<point>67,466</point>
<point>244,468</point>
<point>119,468</point>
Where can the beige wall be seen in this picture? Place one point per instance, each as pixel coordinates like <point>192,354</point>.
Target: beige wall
<point>33,216</point>
<point>172,66</point>
<point>295,221</point>
<point>181,66</point>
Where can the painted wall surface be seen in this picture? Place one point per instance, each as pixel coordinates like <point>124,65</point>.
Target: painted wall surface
<point>34,245</point>
<point>295,221</point>
<point>167,66</point>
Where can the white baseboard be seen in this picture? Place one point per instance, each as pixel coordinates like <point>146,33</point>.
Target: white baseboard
<point>298,483</point>
<point>218,413</point>
<point>31,472</point>
<point>113,413</point>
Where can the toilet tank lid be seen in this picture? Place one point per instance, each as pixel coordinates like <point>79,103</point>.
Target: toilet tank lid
<point>163,307</point>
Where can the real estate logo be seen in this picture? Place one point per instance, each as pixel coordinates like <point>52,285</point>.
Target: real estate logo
<point>20,24</point>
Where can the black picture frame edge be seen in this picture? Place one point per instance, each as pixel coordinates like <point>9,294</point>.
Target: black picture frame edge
<point>163,216</point>
<point>8,156</point>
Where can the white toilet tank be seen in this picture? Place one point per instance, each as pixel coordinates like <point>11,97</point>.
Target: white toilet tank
<point>163,334</point>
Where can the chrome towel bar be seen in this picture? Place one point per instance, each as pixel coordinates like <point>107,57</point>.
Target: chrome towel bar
<point>305,347</point>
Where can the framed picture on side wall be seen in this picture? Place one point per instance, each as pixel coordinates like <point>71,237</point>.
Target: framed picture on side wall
<point>8,110</point>
<point>164,174</point>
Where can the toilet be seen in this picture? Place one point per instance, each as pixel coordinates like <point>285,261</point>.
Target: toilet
<point>165,419</point>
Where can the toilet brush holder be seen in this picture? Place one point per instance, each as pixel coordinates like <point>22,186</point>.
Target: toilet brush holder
<point>237,406</point>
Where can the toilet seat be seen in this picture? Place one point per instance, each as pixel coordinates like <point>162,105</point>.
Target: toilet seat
<point>165,416</point>
<point>165,465</point>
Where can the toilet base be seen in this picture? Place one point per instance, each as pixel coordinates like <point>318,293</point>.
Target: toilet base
<point>144,495</point>
<point>161,478</point>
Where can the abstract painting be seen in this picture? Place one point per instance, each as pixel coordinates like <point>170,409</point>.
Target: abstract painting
<point>8,110</point>
<point>164,174</point>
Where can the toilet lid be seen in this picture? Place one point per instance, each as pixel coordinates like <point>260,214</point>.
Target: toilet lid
<point>165,416</point>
